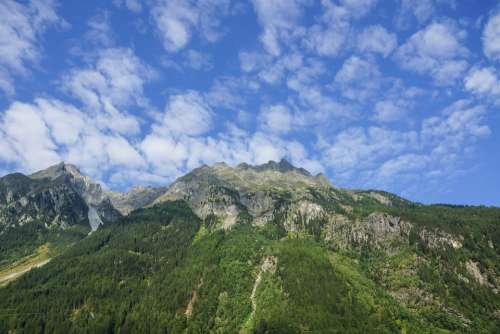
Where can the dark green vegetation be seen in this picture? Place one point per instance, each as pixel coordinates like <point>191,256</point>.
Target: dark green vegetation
<point>18,239</point>
<point>164,270</point>
<point>245,249</point>
<point>52,206</point>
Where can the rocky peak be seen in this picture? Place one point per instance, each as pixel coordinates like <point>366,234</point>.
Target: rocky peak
<point>282,166</point>
<point>56,171</point>
<point>242,191</point>
<point>60,192</point>
<point>135,198</point>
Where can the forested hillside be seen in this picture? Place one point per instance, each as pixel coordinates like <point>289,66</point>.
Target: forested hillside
<point>252,249</point>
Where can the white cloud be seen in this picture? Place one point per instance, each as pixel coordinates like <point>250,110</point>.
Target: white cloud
<point>274,72</point>
<point>178,20</point>
<point>329,36</point>
<point>377,39</point>
<point>188,114</point>
<point>484,82</point>
<point>175,20</point>
<point>180,142</point>
<point>29,137</point>
<point>48,131</point>
<point>229,93</point>
<point>403,164</point>
<point>376,156</point>
<point>198,60</point>
<point>358,8</point>
<point>164,151</point>
<point>391,110</point>
<point>65,122</point>
<point>318,106</point>
<point>132,5</point>
<point>358,78</point>
<point>20,29</point>
<point>121,153</point>
<point>116,80</point>
<point>436,50</point>
<point>276,118</point>
<point>422,10</point>
<point>460,124</point>
<point>491,37</point>
<point>99,32</point>
<point>357,149</point>
<point>332,34</point>
<point>278,19</point>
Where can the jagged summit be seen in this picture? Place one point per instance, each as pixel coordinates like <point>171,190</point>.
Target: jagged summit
<point>59,195</point>
<point>244,190</point>
<point>135,198</point>
<point>55,171</point>
<point>282,166</point>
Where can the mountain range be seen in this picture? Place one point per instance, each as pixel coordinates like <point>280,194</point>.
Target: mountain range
<point>244,249</point>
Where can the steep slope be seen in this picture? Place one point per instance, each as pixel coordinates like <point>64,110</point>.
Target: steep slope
<point>136,198</point>
<point>97,200</point>
<point>141,274</point>
<point>270,249</point>
<point>241,193</point>
<point>55,205</point>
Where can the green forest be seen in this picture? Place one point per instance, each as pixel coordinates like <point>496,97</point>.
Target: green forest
<point>164,270</point>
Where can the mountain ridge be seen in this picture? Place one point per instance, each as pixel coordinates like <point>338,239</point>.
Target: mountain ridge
<point>248,249</point>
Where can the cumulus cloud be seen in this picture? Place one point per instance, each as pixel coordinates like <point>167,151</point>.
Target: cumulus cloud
<point>357,149</point>
<point>276,118</point>
<point>358,8</point>
<point>278,19</point>
<point>378,40</point>
<point>331,35</point>
<point>358,78</point>
<point>177,20</point>
<point>187,114</point>
<point>460,124</point>
<point>402,165</point>
<point>198,60</point>
<point>491,37</point>
<point>33,145</point>
<point>59,131</point>
<point>421,10</point>
<point>391,110</point>
<point>484,82</point>
<point>132,5</point>
<point>186,137</point>
<point>20,30</point>
<point>375,156</point>
<point>436,50</point>
<point>100,32</point>
<point>116,80</point>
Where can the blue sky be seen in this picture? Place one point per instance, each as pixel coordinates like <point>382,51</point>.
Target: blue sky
<point>399,95</point>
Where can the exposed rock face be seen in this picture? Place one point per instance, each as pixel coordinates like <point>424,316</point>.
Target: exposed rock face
<point>384,226</point>
<point>254,190</point>
<point>473,268</point>
<point>275,192</point>
<point>439,239</point>
<point>136,198</point>
<point>299,202</point>
<point>55,206</point>
<point>57,197</point>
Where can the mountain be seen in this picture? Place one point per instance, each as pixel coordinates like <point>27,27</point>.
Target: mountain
<point>58,204</point>
<point>262,249</point>
<point>135,198</point>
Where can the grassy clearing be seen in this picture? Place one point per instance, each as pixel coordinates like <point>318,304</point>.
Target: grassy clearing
<point>13,271</point>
